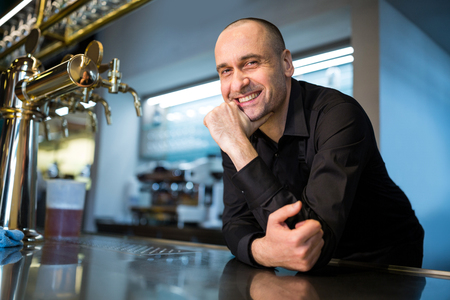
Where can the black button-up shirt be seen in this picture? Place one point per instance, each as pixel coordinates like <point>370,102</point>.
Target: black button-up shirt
<point>327,158</point>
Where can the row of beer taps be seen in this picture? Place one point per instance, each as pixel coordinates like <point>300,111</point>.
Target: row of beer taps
<point>76,101</point>
<point>30,96</point>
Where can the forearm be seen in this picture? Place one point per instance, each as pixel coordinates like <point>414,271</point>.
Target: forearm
<point>262,191</point>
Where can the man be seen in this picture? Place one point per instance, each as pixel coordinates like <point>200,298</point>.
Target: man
<point>303,178</point>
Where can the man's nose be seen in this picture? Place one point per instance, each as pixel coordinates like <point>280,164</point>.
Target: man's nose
<point>240,81</point>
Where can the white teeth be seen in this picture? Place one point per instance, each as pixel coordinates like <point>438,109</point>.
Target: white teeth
<point>248,98</point>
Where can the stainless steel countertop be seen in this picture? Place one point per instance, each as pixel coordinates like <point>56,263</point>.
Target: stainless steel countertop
<point>108,267</point>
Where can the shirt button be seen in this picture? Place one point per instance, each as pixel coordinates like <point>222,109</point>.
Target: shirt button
<point>242,192</point>
<point>276,155</point>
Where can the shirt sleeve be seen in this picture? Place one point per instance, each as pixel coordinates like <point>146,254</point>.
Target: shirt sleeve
<point>240,227</point>
<point>254,192</point>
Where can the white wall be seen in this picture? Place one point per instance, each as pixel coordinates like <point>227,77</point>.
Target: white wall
<point>415,126</point>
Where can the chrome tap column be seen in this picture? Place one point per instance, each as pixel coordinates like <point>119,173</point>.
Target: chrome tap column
<point>25,93</point>
<point>18,152</point>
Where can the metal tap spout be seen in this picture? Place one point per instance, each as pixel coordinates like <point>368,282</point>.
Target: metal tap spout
<point>124,88</point>
<point>105,104</point>
<point>94,122</point>
<point>64,127</point>
<point>46,131</point>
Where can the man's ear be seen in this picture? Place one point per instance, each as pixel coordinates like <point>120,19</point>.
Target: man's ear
<point>287,63</point>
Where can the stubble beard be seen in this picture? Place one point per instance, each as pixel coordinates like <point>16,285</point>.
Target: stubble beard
<point>273,104</point>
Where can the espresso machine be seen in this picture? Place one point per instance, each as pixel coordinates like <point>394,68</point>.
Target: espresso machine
<point>207,172</point>
<point>30,96</point>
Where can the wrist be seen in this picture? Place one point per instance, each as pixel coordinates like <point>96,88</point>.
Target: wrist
<point>241,154</point>
<point>258,252</point>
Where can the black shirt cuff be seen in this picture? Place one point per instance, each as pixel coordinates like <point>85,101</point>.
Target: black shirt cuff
<point>245,250</point>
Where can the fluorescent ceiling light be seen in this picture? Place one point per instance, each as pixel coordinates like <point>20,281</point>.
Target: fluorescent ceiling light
<point>62,111</point>
<point>322,57</point>
<point>187,95</point>
<point>13,11</point>
<point>323,65</point>
<point>302,66</point>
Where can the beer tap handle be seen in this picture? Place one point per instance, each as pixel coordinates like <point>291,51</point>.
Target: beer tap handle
<point>114,76</point>
<point>95,52</point>
<point>32,41</point>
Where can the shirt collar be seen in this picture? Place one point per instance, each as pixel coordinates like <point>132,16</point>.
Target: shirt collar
<point>295,120</point>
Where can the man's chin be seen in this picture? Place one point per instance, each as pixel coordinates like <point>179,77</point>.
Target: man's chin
<point>252,114</point>
<point>254,118</point>
<point>248,114</point>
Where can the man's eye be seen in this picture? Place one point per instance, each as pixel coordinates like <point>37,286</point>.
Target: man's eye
<point>252,63</point>
<point>225,71</point>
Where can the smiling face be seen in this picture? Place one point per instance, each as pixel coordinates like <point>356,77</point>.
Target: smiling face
<point>251,71</point>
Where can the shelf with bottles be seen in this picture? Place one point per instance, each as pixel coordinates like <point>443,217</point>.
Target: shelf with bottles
<point>63,23</point>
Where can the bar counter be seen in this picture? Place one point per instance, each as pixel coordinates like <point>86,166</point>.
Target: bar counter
<point>131,268</point>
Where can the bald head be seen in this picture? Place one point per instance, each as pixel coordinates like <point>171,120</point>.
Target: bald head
<point>272,33</point>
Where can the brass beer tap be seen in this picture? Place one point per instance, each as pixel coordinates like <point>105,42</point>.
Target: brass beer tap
<point>95,52</point>
<point>115,85</point>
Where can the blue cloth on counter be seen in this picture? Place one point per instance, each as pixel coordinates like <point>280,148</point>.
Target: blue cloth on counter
<point>10,238</point>
<point>10,255</point>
